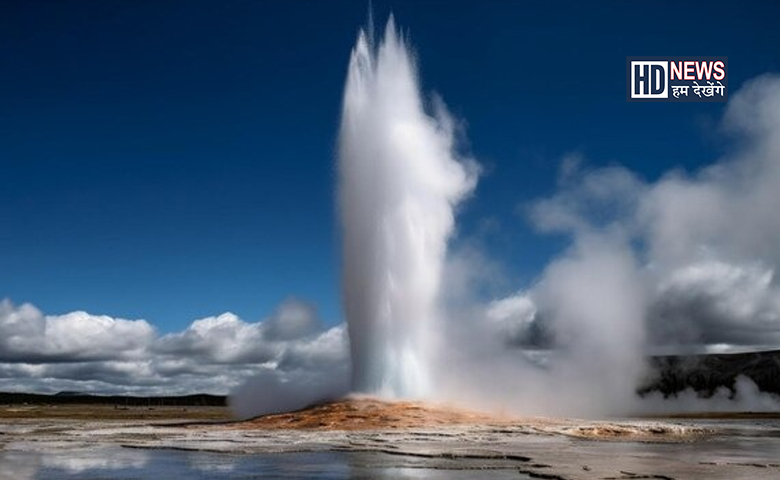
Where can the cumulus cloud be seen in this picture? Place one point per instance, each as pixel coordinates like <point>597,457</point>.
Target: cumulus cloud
<point>96,353</point>
<point>717,303</point>
<point>27,334</point>
<point>707,243</point>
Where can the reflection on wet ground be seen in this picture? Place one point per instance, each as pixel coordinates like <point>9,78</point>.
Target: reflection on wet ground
<point>541,448</point>
<point>125,464</point>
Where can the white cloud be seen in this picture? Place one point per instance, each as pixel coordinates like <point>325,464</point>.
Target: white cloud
<point>220,339</point>
<point>25,333</point>
<point>706,244</point>
<point>718,303</point>
<point>96,353</point>
<point>95,336</point>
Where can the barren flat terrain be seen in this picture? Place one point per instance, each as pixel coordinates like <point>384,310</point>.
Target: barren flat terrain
<point>113,413</point>
<point>406,435</point>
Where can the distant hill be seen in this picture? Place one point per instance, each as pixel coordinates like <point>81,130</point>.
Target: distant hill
<point>81,398</point>
<point>71,394</point>
<point>707,373</point>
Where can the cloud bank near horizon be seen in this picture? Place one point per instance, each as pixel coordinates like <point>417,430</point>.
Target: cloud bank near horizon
<point>79,351</point>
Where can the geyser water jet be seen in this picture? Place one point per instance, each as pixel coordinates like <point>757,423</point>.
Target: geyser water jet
<point>400,181</point>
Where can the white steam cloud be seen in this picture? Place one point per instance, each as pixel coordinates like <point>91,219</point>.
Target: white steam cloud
<point>685,264</point>
<point>399,184</point>
<point>707,244</point>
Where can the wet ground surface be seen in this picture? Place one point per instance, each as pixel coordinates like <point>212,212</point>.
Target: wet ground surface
<point>123,464</point>
<point>530,448</point>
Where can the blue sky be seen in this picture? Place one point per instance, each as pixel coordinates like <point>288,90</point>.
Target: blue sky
<point>173,160</point>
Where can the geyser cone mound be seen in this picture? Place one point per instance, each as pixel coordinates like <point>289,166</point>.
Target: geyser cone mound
<point>368,413</point>
<point>408,418</point>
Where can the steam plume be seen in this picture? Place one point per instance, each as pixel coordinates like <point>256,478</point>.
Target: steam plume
<point>399,184</point>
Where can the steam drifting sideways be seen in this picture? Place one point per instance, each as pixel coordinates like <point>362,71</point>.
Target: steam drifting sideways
<point>685,264</point>
<point>400,181</point>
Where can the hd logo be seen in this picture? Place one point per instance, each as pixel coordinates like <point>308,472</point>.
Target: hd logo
<point>676,79</point>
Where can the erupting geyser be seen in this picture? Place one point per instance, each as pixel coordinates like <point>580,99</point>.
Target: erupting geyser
<point>399,183</point>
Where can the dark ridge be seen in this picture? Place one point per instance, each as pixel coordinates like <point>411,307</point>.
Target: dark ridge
<point>63,398</point>
<point>707,373</point>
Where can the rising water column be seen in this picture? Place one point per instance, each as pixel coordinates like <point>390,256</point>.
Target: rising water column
<point>399,183</point>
